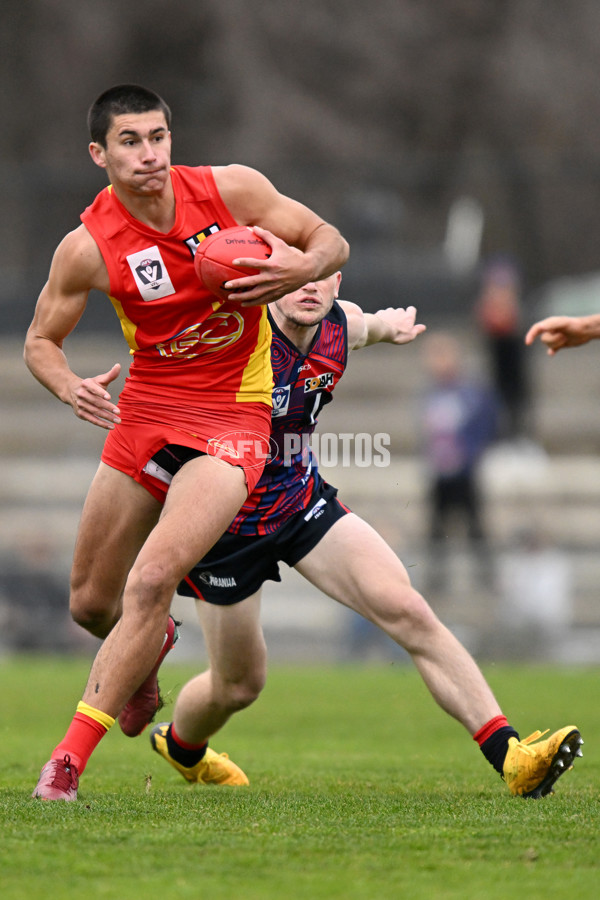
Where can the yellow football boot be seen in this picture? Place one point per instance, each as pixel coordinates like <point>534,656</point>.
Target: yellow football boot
<point>530,769</point>
<point>213,768</point>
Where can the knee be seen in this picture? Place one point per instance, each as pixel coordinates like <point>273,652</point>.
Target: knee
<point>152,583</point>
<point>94,613</point>
<point>95,599</point>
<point>240,694</point>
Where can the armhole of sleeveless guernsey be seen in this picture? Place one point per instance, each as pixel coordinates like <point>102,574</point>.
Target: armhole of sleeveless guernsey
<point>215,195</point>
<point>343,321</point>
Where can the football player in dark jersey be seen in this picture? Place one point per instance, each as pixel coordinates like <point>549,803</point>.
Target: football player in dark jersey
<point>293,516</point>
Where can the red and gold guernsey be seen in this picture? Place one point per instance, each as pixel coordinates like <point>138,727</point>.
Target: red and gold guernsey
<point>201,367</point>
<point>180,335</point>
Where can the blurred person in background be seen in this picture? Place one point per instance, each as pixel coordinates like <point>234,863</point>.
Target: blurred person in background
<point>499,316</point>
<point>458,421</point>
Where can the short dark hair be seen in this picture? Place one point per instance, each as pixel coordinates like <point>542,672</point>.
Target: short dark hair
<point>122,98</point>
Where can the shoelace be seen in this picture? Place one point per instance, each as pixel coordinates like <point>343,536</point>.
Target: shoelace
<point>64,776</point>
<point>534,736</point>
<point>530,751</point>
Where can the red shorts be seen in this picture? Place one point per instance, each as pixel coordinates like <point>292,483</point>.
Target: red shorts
<point>237,433</point>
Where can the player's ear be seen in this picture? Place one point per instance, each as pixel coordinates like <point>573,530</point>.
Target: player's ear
<point>97,153</point>
<point>338,281</point>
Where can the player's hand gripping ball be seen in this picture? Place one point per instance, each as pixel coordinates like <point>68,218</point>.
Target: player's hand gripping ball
<point>215,254</point>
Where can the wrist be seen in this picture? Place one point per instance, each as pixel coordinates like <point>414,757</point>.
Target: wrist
<point>67,389</point>
<point>591,327</point>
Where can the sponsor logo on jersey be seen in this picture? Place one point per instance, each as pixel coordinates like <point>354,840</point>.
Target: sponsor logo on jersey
<point>281,400</point>
<point>226,581</point>
<point>318,382</point>
<point>150,274</point>
<point>218,331</point>
<point>193,242</point>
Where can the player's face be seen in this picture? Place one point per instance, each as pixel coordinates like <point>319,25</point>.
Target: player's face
<point>311,303</point>
<point>137,156</point>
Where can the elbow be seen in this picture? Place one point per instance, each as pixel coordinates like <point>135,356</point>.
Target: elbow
<point>27,348</point>
<point>31,349</point>
<point>344,251</point>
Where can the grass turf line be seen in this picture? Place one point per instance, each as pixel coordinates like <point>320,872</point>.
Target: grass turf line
<point>360,787</point>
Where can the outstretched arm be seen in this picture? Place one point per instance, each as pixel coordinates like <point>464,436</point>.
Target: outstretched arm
<point>391,325</point>
<point>557,332</point>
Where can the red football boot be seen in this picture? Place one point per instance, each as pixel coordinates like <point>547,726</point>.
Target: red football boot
<point>146,702</point>
<point>59,780</point>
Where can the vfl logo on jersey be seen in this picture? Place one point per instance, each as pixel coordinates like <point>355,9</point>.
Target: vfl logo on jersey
<point>281,401</point>
<point>150,274</point>
<point>193,242</point>
<point>318,382</point>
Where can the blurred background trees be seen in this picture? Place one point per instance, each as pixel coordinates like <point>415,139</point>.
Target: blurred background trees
<point>428,132</point>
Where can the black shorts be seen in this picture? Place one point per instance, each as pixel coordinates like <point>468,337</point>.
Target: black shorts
<point>237,566</point>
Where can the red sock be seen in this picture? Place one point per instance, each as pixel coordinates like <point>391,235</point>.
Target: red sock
<point>82,737</point>
<point>183,752</point>
<point>184,744</point>
<point>487,730</point>
<point>493,739</point>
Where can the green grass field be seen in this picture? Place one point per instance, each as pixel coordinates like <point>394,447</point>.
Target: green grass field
<point>361,788</point>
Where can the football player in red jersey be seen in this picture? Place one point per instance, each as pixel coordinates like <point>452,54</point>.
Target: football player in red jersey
<point>201,366</point>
